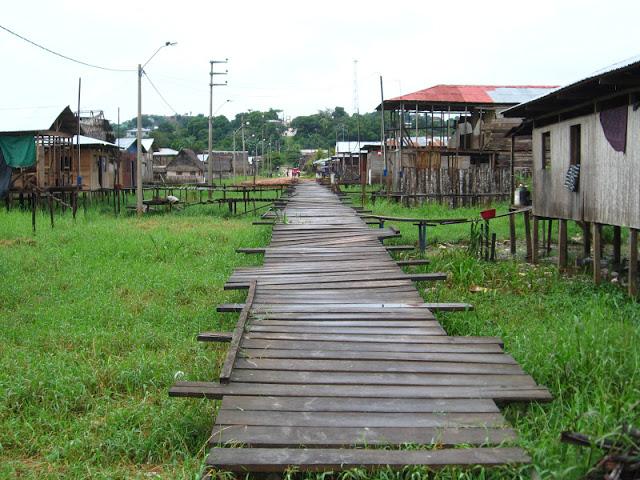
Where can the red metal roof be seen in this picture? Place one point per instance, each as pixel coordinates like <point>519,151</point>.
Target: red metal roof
<point>479,94</point>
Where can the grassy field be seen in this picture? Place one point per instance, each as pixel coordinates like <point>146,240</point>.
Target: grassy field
<point>99,318</point>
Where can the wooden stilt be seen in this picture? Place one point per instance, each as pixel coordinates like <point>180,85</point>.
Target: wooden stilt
<point>527,232</point>
<point>536,240</point>
<point>549,229</point>
<point>586,243</point>
<point>597,252</point>
<point>633,262</point>
<point>512,233</point>
<point>562,244</point>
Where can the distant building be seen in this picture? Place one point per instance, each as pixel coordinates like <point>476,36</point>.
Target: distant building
<point>129,160</point>
<point>36,148</point>
<point>455,128</point>
<point>224,162</point>
<point>185,167</point>
<point>99,163</point>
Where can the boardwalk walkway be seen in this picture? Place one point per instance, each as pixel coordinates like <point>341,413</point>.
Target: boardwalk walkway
<point>335,351</point>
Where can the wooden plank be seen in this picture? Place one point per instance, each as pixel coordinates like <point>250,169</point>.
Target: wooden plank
<point>216,391</point>
<point>232,352</point>
<point>365,378</point>
<point>379,355</point>
<point>408,263</point>
<point>338,404</point>
<point>396,347</point>
<point>215,337</point>
<point>378,366</point>
<point>230,307</point>
<point>360,419</point>
<point>279,436</point>
<point>278,460</point>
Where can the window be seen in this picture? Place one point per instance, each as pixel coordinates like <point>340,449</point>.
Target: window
<point>546,150</point>
<point>574,147</point>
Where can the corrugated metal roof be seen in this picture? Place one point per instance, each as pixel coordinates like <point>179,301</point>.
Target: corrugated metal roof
<point>92,141</point>
<point>353,147</point>
<point>620,67</point>
<point>37,119</point>
<point>165,152</point>
<point>147,144</point>
<point>126,142</point>
<point>475,94</point>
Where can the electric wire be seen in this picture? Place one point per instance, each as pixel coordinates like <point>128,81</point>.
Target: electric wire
<point>160,94</point>
<point>64,56</point>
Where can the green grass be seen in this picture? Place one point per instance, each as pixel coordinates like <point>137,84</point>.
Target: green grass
<point>99,318</point>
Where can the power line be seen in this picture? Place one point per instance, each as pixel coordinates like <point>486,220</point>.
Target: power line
<point>160,94</point>
<point>64,56</point>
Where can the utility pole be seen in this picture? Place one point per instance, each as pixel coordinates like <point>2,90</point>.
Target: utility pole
<point>382,132</point>
<point>210,149</point>
<point>244,163</point>
<point>139,195</point>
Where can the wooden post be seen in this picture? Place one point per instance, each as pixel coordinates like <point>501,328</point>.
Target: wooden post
<point>549,227</point>
<point>51,208</point>
<point>512,233</point>
<point>633,262</point>
<point>34,205</point>
<point>527,233</point>
<point>493,247</point>
<point>617,245</point>
<point>597,252</point>
<point>536,240</point>
<point>562,243</point>
<point>586,243</point>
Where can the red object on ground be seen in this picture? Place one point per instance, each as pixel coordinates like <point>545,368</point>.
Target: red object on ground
<point>488,214</point>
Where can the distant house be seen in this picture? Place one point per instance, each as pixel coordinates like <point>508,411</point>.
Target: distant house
<point>36,148</point>
<point>454,128</point>
<point>184,168</point>
<point>350,161</point>
<point>160,160</point>
<point>99,163</point>
<point>128,170</point>
<point>224,162</point>
<point>586,153</point>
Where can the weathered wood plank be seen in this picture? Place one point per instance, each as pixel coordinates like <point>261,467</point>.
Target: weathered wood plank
<point>278,460</point>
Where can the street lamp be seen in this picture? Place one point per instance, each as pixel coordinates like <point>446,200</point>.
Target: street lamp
<point>139,193</point>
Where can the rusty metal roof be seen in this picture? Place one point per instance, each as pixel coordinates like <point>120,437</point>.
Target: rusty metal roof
<point>470,95</point>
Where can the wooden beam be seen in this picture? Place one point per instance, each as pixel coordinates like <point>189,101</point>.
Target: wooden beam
<point>215,337</point>
<point>407,263</point>
<point>597,252</point>
<point>562,244</point>
<point>250,250</point>
<point>527,231</point>
<point>230,307</point>
<point>234,346</point>
<point>536,240</point>
<point>399,248</point>
<point>633,262</point>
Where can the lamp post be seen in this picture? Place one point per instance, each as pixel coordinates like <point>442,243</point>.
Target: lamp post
<point>139,193</point>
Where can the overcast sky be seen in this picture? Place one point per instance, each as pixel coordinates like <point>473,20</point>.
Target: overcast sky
<point>298,56</point>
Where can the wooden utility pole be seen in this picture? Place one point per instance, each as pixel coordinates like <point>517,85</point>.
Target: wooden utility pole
<point>210,146</point>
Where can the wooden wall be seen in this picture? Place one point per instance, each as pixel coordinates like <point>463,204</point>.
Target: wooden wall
<point>609,190</point>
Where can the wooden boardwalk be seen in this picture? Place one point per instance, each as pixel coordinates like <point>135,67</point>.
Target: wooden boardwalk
<point>335,351</point>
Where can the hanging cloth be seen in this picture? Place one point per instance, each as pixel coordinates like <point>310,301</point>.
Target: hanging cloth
<point>5,176</point>
<point>19,150</point>
<point>614,126</point>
